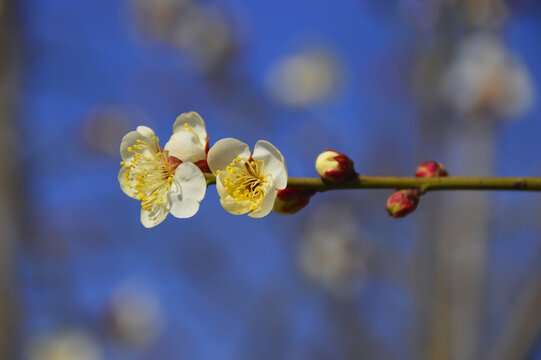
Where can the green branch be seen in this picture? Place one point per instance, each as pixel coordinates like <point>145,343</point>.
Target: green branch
<point>424,184</point>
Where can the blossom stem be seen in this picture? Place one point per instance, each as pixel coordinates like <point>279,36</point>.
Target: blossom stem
<point>424,184</point>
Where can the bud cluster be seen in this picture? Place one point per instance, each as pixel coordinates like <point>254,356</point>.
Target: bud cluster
<point>405,201</point>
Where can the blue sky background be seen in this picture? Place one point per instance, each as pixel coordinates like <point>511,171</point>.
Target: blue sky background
<point>230,287</point>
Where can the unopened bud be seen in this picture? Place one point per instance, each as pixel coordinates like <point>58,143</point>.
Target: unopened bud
<point>431,169</point>
<point>402,202</point>
<point>291,200</point>
<point>334,167</point>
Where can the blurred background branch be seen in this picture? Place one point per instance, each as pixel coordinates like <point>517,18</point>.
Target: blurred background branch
<point>12,202</point>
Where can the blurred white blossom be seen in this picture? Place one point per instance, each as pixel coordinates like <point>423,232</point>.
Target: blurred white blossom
<point>331,253</point>
<point>73,344</point>
<point>304,78</point>
<point>135,316</point>
<point>486,78</point>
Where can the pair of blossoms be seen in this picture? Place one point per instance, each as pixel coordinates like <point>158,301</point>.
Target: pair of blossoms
<point>171,179</point>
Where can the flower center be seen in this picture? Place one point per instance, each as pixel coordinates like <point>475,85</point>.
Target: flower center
<point>245,181</point>
<point>149,172</point>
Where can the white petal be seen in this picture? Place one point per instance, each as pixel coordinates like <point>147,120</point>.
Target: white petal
<point>125,186</point>
<point>235,207</point>
<point>273,162</point>
<point>183,205</point>
<point>186,147</point>
<point>224,152</point>
<point>155,216</point>
<point>266,205</point>
<point>146,131</point>
<point>220,185</point>
<point>228,203</point>
<point>191,180</point>
<point>195,123</point>
<point>130,139</point>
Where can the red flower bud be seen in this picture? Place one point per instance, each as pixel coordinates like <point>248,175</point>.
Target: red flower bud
<point>430,169</point>
<point>291,200</point>
<point>402,202</point>
<point>334,167</point>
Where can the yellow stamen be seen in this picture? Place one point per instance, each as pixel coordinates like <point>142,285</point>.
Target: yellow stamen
<point>245,182</point>
<point>150,174</point>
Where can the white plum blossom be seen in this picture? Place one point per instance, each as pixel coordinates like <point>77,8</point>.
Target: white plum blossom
<point>486,78</point>
<point>247,182</point>
<point>165,180</point>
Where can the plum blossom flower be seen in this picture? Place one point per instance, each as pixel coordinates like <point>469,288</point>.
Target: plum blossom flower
<point>247,182</point>
<point>165,181</point>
